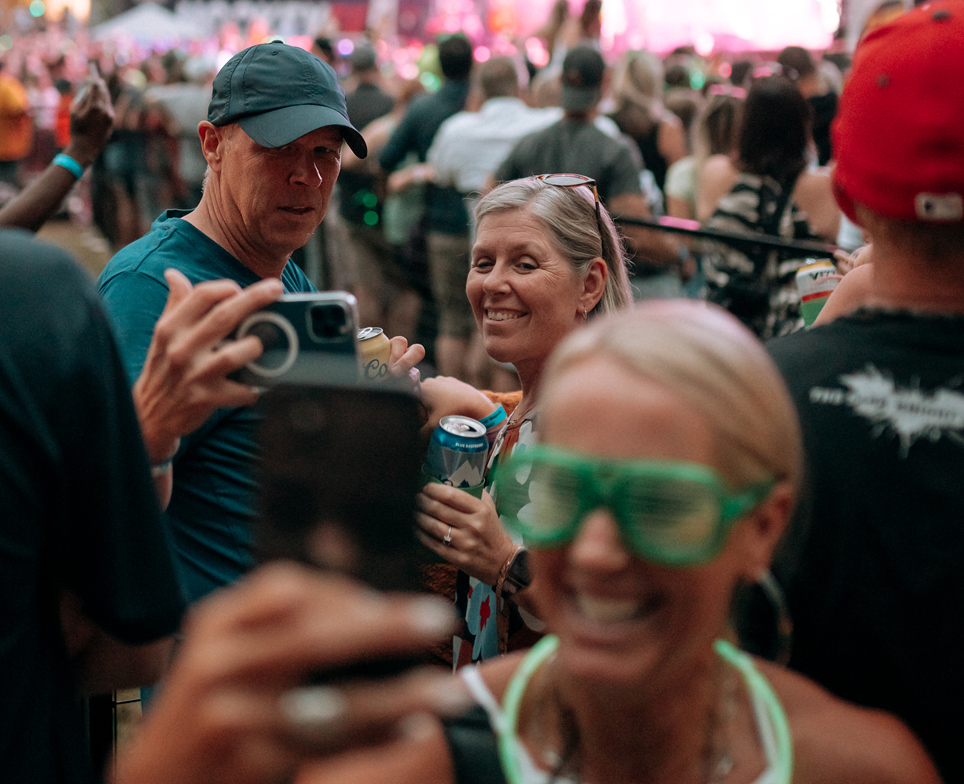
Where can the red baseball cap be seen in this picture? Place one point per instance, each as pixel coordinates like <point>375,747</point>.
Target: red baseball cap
<point>899,134</point>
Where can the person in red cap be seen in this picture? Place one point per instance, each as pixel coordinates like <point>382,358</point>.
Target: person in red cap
<point>876,586</point>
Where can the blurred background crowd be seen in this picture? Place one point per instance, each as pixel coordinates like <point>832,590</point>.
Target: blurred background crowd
<point>678,108</point>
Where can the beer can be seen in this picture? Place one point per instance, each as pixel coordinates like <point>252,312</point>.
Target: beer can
<point>457,452</point>
<point>375,350</point>
<point>816,280</point>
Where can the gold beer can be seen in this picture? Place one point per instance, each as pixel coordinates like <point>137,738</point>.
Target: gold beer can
<point>375,349</point>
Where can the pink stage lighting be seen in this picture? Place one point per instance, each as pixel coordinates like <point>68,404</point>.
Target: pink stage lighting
<point>708,25</point>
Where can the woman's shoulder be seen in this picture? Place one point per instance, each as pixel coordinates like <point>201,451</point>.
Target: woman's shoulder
<point>813,186</point>
<point>717,176</point>
<point>836,741</point>
<point>719,167</point>
<point>813,193</point>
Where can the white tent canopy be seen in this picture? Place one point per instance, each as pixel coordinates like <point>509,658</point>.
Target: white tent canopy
<point>146,22</point>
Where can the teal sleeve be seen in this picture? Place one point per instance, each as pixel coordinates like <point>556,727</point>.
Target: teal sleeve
<point>134,302</point>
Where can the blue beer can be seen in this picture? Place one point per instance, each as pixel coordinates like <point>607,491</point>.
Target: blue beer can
<point>457,452</point>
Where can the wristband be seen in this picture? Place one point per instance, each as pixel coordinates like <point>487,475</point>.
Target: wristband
<point>497,417</point>
<point>159,469</point>
<point>69,164</point>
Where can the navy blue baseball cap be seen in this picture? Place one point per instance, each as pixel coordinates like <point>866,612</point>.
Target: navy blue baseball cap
<point>277,93</point>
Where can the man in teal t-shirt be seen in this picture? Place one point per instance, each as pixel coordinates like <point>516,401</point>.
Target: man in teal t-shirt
<point>272,142</point>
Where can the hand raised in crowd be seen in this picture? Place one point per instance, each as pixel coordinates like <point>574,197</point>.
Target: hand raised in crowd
<point>91,124</point>
<point>477,542</point>
<point>184,378</point>
<point>91,121</point>
<point>234,708</point>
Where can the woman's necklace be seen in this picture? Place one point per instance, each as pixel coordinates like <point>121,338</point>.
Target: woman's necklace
<point>519,414</point>
<point>719,755</point>
<point>720,760</point>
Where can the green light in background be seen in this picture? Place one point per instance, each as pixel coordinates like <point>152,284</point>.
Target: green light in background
<point>430,81</point>
<point>370,200</point>
<point>38,8</point>
<point>370,218</point>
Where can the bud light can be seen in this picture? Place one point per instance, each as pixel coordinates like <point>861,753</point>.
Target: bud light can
<point>458,452</point>
<point>816,280</point>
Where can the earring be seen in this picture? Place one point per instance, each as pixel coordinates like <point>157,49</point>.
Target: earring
<point>784,623</point>
<point>760,619</point>
<point>585,314</point>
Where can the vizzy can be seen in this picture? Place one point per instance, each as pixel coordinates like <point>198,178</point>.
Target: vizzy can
<point>375,349</point>
<point>816,280</point>
<point>458,452</point>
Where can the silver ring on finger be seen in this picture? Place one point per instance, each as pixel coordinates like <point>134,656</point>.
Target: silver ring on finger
<point>447,539</point>
<point>314,711</point>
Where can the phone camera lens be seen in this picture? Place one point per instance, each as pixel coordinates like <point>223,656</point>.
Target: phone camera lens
<point>328,321</point>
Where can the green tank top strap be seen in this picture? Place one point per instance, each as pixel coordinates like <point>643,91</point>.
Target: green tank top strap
<point>760,688</point>
<point>509,738</point>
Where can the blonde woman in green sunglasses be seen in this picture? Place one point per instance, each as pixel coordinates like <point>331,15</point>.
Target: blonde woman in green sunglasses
<point>668,465</point>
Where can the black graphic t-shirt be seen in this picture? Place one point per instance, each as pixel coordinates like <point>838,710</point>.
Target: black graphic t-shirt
<point>876,585</point>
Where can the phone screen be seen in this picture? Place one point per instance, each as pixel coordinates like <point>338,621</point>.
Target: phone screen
<point>339,472</point>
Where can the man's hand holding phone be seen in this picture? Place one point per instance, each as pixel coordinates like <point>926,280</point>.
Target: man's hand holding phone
<point>184,378</point>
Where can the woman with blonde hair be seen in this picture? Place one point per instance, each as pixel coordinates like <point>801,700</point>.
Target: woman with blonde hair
<point>547,258</point>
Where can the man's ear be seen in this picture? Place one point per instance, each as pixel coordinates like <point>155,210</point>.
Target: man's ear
<point>762,529</point>
<point>594,284</point>
<point>212,139</point>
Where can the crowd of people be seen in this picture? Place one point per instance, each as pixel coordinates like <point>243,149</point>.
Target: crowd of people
<point>665,437</point>
<point>399,240</point>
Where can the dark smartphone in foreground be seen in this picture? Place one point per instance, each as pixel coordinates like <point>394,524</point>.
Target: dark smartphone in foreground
<point>339,472</point>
